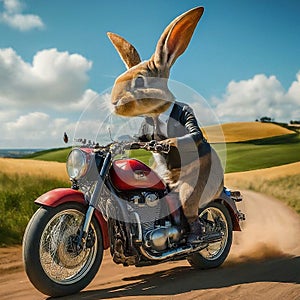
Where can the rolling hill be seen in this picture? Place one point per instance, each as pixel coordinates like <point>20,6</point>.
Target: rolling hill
<point>249,146</point>
<point>58,154</point>
<point>243,131</point>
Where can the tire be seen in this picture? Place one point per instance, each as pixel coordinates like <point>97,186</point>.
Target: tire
<point>215,253</point>
<point>52,265</point>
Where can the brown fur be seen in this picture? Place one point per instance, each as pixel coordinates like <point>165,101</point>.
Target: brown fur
<point>201,180</point>
<point>197,183</point>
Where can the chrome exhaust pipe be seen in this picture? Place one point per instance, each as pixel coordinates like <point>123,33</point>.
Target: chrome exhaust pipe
<point>174,252</point>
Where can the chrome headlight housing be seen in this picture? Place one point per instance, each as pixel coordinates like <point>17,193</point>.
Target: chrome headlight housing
<point>77,164</point>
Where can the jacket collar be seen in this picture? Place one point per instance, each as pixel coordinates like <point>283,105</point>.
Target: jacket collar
<point>164,117</point>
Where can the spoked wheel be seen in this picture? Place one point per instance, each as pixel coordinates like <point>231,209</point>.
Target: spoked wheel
<point>54,262</point>
<point>216,219</point>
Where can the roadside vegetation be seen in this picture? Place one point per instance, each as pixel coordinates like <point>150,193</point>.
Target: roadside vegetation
<point>286,189</point>
<point>17,195</point>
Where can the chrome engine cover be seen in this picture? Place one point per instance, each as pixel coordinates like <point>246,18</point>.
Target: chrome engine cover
<point>161,238</point>
<point>147,209</point>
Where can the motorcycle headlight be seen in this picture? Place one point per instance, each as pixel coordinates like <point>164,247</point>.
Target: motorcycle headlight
<point>77,164</point>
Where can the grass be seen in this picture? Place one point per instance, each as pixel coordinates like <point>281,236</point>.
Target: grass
<point>59,155</point>
<point>17,195</point>
<point>242,156</point>
<point>264,153</point>
<point>286,189</point>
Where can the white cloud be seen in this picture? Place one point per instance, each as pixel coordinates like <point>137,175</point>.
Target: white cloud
<point>294,90</point>
<point>28,123</point>
<point>40,130</point>
<point>259,96</point>
<point>14,17</point>
<point>42,99</point>
<point>26,130</point>
<point>13,6</point>
<point>39,100</point>
<point>90,106</point>
<point>22,22</point>
<point>53,80</point>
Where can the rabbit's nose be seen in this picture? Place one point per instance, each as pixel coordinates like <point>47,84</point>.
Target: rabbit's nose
<point>118,102</point>
<point>115,102</point>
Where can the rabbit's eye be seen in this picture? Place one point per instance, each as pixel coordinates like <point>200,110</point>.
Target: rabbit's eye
<point>139,82</point>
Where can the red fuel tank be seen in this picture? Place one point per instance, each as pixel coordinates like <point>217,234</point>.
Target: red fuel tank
<point>131,174</point>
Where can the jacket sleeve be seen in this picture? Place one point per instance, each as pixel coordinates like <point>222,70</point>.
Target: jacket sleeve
<point>191,141</point>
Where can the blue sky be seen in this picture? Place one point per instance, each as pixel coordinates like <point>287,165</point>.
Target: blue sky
<point>244,59</point>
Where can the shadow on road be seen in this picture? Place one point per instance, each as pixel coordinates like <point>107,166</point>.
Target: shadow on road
<point>180,280</point>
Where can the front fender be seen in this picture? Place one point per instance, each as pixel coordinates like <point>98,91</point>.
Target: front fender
<point>59,196</point>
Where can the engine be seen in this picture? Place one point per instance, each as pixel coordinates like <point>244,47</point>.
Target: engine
<point>144,190</point>
<point>149,213</point>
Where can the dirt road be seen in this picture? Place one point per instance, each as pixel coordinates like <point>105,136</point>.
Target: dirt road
<point>264,264</point>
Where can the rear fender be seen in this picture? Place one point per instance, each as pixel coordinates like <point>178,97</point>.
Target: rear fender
<point>59,196</point>
<point>231,206</point>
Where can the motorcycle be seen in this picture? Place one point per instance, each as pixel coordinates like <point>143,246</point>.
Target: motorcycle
<point>123,205</point>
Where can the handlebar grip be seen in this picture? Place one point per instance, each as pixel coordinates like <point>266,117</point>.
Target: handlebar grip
<point>133,146</point>
<point>158,148</point>
<point>149,146</point>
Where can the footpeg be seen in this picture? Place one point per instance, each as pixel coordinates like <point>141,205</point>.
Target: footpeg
<point>236,196</point>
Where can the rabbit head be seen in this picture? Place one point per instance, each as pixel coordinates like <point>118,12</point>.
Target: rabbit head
<point>143,88</point>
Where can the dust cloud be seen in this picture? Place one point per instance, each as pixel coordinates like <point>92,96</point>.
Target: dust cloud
<point>271,230</point>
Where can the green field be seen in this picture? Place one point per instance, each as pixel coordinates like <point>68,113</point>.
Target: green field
<point>264,153</point>
<point>243,156</point>
<point>59,155</point>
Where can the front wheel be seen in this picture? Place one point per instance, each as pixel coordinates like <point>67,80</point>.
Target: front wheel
<point>53,262</point>
<point>216,219</point>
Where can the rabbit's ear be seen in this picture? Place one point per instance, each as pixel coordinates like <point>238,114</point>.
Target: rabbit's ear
<point>176,38</point>
<point>127,52</point>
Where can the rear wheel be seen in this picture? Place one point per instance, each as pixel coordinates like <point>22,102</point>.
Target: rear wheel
<point>217,220</point>
<point>53,262</point>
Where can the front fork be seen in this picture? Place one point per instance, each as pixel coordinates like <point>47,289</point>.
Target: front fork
<point>94,201</point>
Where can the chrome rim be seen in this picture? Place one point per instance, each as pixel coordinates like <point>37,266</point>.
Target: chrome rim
<point>217,223</point>
<point>59,259</point>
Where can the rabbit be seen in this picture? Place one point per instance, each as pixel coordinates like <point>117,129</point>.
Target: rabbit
<point>192,168</point>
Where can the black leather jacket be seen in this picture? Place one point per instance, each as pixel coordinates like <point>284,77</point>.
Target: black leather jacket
<point>183,125</point>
